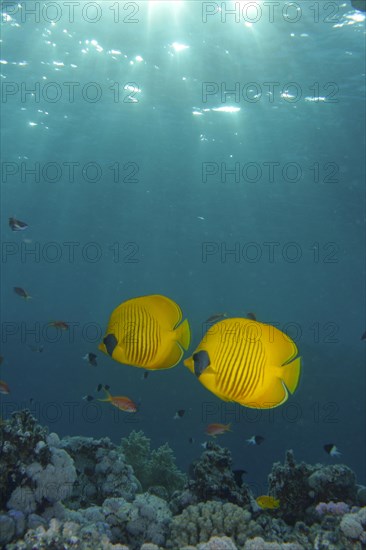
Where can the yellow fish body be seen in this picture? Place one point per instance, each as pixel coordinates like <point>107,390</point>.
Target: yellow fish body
<point>147,332</point>
<point>247,362</point>
<point>267,503</point>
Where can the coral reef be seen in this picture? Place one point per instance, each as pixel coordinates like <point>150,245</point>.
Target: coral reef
<point>146,519</point>
<point>336,482</point>
<point>199,522</point>
<point>353,526</point>
<point>213,478</point>
<point>218,543</point>
<point>81,493</point>
<point>102,471</point>
<point>118,521</point>
<point>155,468</point>
<point>337,508</point>
<point>19,437</point>
<point>60,536</point>
<point>259,544</point>
<point>288,483</point>
<point>36,473</point>
<point>340,532</point>
<point>299,486</point>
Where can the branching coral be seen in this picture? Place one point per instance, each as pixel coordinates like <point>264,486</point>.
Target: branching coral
<point>152,468</point>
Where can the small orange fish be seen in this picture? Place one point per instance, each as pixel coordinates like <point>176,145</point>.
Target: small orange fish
<point>21,292</point>
<point>59,324</point>
<point>217,429</point>
<point>4,388</point>
<point>121,402</point>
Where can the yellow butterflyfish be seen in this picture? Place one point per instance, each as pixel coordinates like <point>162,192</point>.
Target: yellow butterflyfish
<point>247,362</point>
<point>147,332</point>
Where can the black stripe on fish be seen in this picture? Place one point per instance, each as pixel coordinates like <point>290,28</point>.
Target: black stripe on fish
<point>201,362</point>
<point>110,342</point>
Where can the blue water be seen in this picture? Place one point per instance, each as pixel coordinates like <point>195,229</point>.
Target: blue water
<point>176,221</point>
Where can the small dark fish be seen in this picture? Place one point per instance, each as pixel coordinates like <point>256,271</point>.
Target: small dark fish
<point>4,388</point>
<point>91,358</point>
<point>255,440</point>
<point>216,317</point>
<point>192,470</point>
<point>238,476</point>
<point>21,292</point>
<point>145,375</point>
<point>1,359</point>
<point>191,440</point>
<point>17,225</point>
<point>59,324</point>
<point>251,316</point>
<point>88,398</point>
<point>363,337</point>
<point>179,414</point>
<point>36,349</point>
<point>207,445</point>
<point>331,449</point>
<point>103,387</point>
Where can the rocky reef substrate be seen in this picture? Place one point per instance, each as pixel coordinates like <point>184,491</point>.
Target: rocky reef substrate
<point>82,493</point>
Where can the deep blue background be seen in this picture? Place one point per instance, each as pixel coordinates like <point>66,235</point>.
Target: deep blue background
<point>156,219</point>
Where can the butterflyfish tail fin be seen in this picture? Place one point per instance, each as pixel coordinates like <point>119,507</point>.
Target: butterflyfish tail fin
<point>183,334</point>
<point>291,374</point>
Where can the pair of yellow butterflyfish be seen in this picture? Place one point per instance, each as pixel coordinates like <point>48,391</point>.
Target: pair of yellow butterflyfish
<point>238,359</point>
